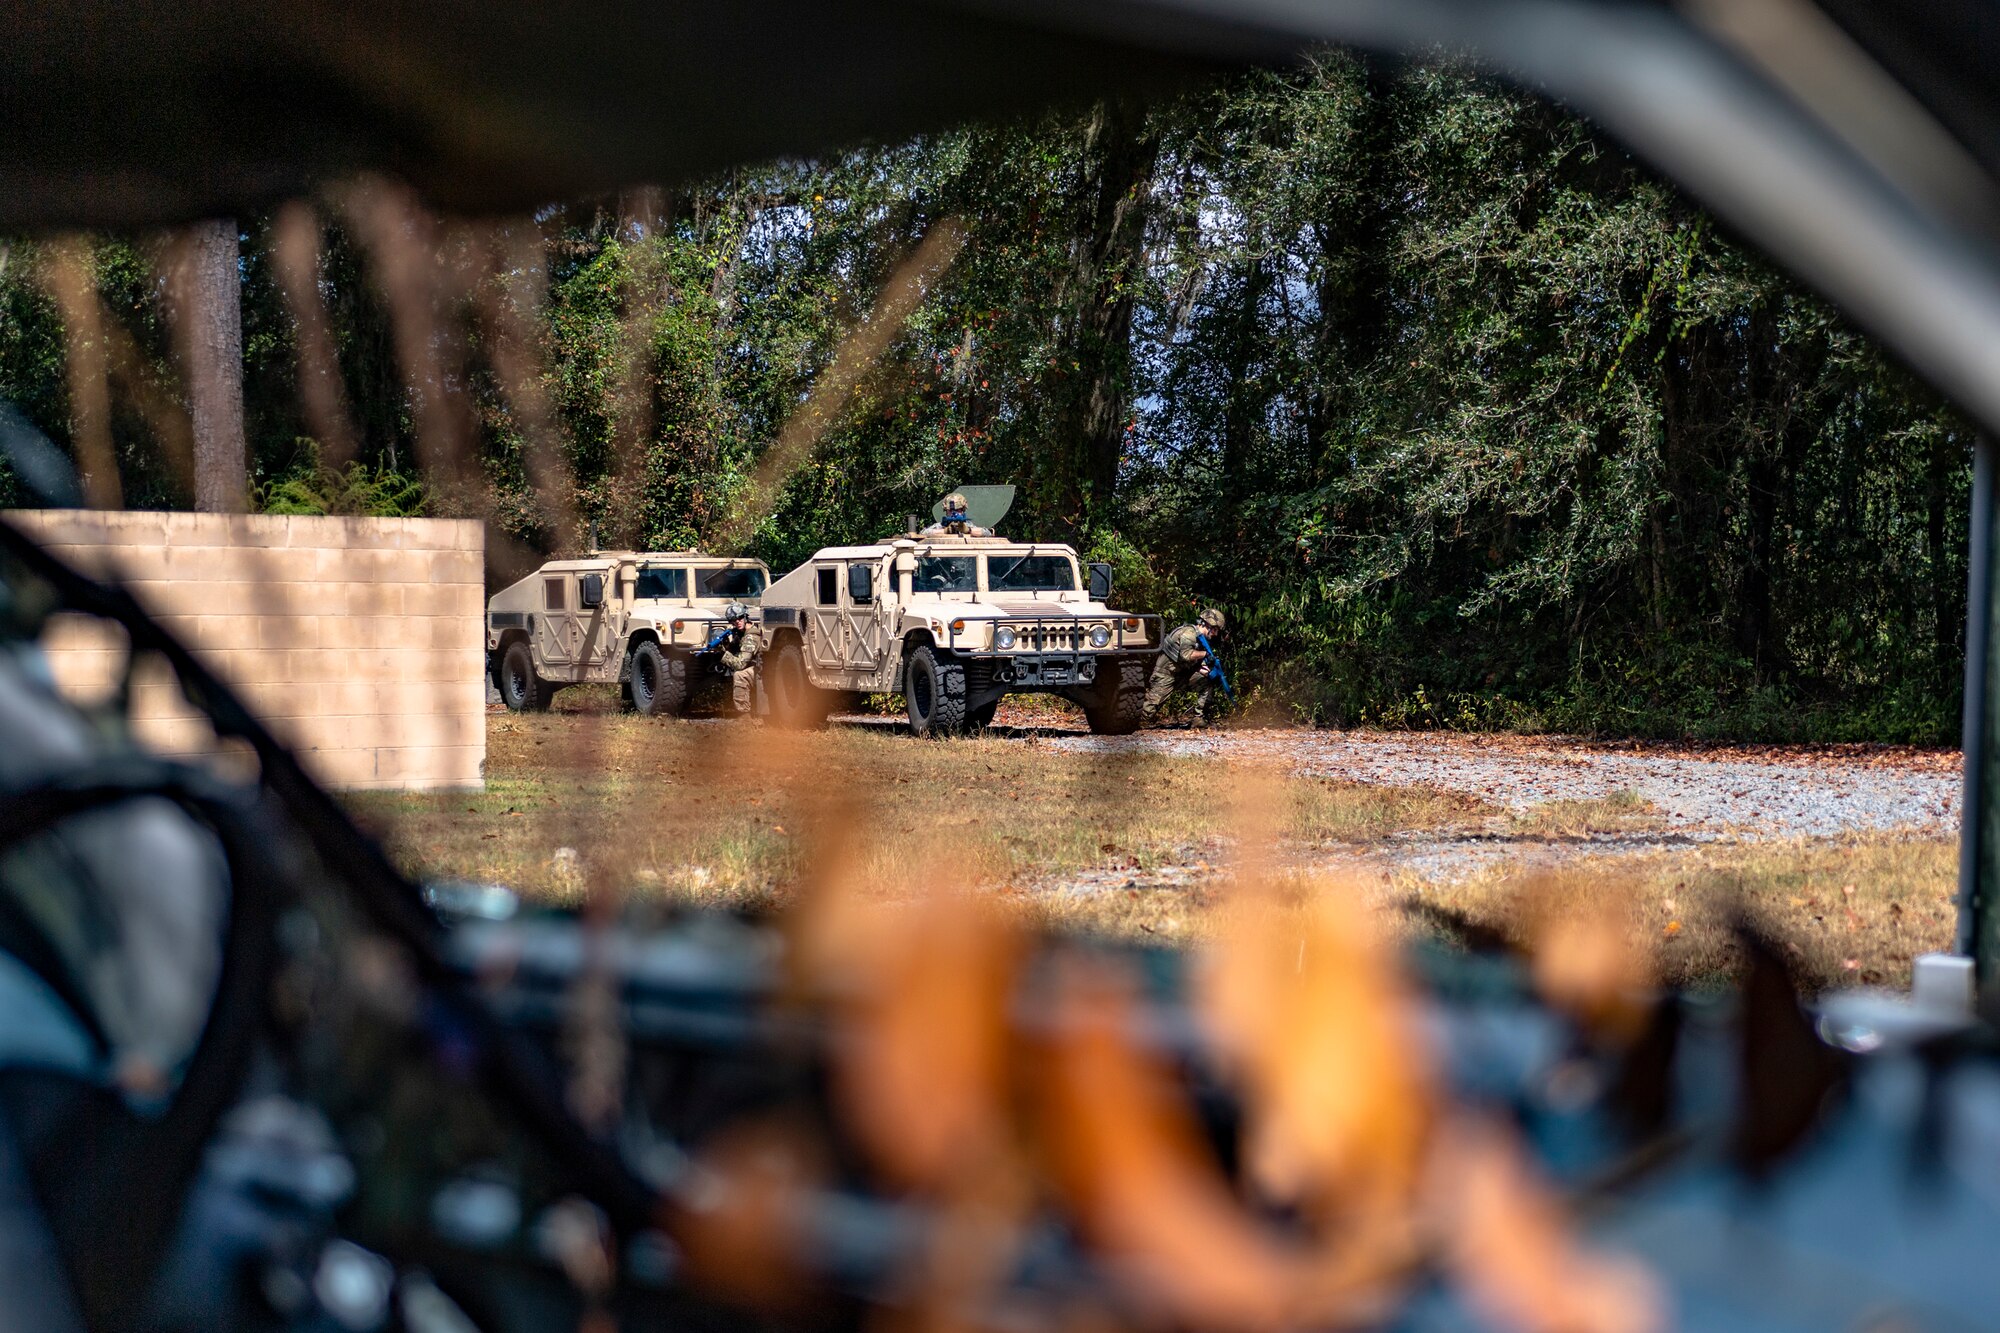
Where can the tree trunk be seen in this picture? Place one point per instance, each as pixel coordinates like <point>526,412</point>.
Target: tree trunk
<point>1355,271</point>
<point>1104,285</point>
<point>1947,629</point>
<point>1244,408</point>
<point>209,329</point>
<point>1776,439</point>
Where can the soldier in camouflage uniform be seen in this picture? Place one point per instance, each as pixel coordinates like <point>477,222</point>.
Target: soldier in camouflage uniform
<point>1182,663</point>
<point>739,657</point>
<point>955,523</point>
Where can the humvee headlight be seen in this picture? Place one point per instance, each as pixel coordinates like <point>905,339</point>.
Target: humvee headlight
<point>1100,635</point>
<point>1003,638</point>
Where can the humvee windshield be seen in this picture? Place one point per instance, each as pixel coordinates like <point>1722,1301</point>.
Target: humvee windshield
<point>738,584</point>
<point>655,582</point>
<point>946,573</point>
<point>1030,573</point>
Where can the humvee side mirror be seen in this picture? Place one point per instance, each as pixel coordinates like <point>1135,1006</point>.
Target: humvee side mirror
<point>861,583</point>
<point>593,592</point>
<point>1100,582</point>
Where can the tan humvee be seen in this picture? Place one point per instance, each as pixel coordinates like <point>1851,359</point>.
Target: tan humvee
<point>647,620</point>
<point>953,624</point>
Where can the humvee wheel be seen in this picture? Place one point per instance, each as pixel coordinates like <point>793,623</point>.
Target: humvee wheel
<point>934,694</point>
<point>1121,709</point>
<point>795,701</point>
<point>520,688</point>
<point>1125,714</point>
<point>657,688</point>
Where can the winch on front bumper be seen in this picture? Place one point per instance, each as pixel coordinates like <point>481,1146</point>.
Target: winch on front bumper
<point>1046,669</point>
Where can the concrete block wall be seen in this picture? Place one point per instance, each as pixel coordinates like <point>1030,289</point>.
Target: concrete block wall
<point>359,641</point>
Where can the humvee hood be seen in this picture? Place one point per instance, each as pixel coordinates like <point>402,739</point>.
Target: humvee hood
<point>1027,606</point>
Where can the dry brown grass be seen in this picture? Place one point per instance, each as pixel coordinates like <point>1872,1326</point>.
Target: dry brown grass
<point>1849,910</point>
<point>671,809</point>
<point>1846,911</point>
<point>1618,812</point>
<point>673,812</point>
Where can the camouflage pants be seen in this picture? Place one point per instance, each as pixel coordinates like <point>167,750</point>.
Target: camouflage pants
<point>743,683</point>
<point>740,689</point>
<point>1170,676</point>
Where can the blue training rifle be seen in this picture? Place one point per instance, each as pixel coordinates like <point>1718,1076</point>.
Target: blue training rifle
<point>1215,667</point>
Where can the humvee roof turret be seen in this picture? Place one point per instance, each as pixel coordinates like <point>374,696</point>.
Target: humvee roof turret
<point>646,620</point>
<point>954,624</point>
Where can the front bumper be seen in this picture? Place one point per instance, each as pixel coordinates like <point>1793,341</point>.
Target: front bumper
<point>1055,637</point>
<point>1045,669</point>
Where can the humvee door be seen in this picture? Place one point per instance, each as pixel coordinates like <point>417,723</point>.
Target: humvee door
<point>556,632</point>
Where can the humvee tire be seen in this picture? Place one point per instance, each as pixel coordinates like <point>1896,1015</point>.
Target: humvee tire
<point>934,694</point>
<point>658,683</point>
<point>1123,715</point>
<point>520,688</point>
<point>795,702</point>
<point>1120,706</point>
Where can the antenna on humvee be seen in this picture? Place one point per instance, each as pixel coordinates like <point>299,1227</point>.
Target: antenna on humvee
<point>592,550</point>
<point>985,506</point>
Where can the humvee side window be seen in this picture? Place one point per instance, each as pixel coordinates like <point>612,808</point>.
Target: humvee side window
<point>947,573</point>
<point>656,582</point>
<point>736,584</point>
<point>552,594</point>
<point>829,584</point>
<point>1030,573</point>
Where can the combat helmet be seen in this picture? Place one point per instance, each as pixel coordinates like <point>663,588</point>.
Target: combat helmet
<point>954,507</point>
<point>736,611</point>
<point>1211,620</point>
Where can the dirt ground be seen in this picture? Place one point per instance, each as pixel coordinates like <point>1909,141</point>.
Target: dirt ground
<point>1847,853</point>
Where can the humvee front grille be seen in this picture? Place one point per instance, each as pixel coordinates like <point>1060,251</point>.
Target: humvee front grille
<point>1036,634</point>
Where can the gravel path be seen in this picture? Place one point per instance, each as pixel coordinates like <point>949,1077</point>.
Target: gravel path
<point>1699,794</point>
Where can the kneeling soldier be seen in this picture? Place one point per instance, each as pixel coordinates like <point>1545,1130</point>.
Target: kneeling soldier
<point>739,656</point>
<point>1183,662</point>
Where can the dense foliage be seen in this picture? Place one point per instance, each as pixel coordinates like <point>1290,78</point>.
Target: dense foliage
<point>1466,417</point>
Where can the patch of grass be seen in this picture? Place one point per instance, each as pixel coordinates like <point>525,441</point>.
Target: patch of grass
<point>1326,811</point>
<point>1845,911</point>
<point>1618,812</point>
<point>716,812</point>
